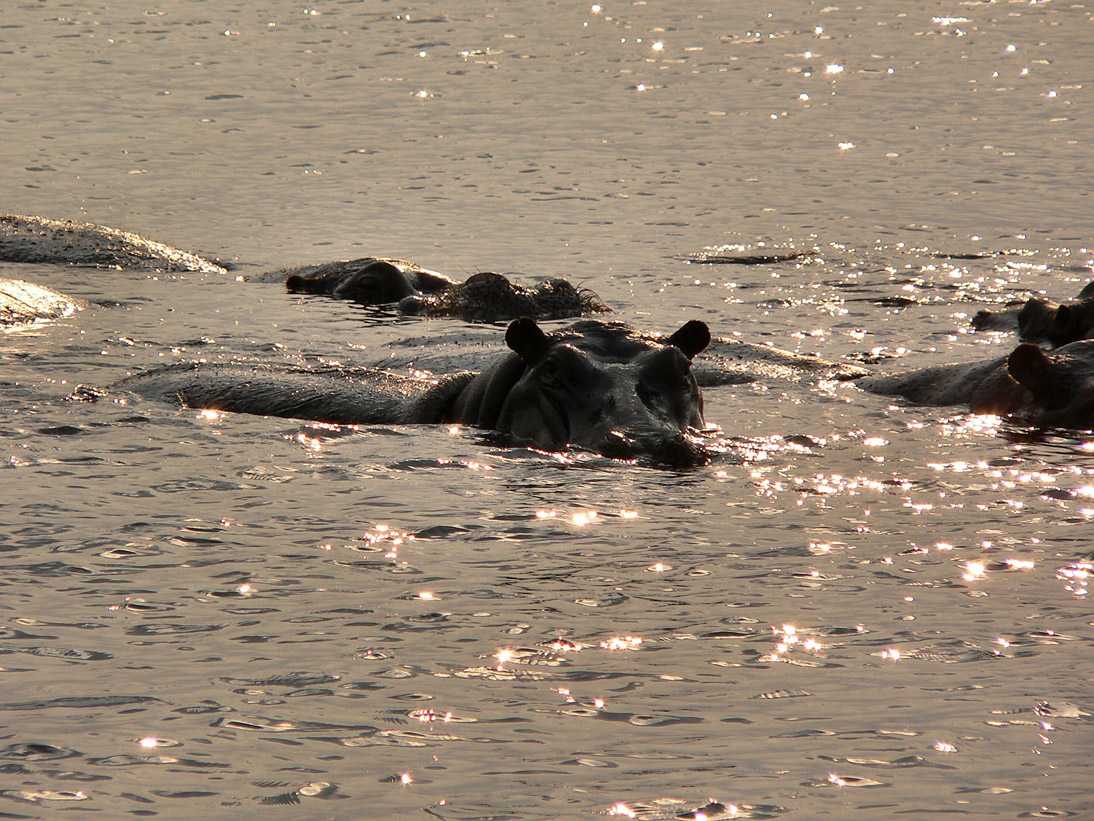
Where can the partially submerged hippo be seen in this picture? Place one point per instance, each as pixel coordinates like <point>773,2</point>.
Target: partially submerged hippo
<point>726,361</point>
<point>483,297</point>
<point>1030,386</point>
<point>595,386</point>
<point>72,242</point>
<point>1043,321</point>
<point>369,280</point>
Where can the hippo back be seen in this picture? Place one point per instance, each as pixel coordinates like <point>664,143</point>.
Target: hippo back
<point>336,395</point>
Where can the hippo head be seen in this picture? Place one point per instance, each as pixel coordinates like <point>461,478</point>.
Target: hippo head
<point>1061,383</point>
<point>610,392</point>
<point>377,283</point>
<point>1071,322</point>
<point>1058,324</point>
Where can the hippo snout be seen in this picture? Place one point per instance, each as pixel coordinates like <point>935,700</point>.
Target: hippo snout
<point>667,448</point>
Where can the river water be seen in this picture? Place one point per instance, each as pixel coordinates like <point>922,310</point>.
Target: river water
<point>860,609</point>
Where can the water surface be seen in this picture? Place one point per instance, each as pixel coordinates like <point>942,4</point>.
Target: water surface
<point>860,609</point>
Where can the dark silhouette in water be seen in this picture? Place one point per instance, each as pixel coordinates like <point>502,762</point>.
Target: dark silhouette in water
<point>1042,321</point>
<point>595,386</point>
<point>483,297</point>
<point>1030,386</point>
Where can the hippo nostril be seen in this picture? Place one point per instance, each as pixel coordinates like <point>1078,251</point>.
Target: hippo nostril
<point>684,452</point>
<point>675,449</point>
<point>617,439</point>
<point>668,449</point>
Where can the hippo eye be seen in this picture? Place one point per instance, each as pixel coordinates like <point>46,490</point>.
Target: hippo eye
<point>647,394</point>
<point>550,369</point>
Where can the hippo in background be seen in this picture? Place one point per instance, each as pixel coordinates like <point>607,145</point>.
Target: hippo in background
<point>483,297</point>
<point>26,239</point>
<point>1042,321</point>
<point>595,386</point>
<point>72,242</point>
<point>369,280</point>
<point>1029,386</point>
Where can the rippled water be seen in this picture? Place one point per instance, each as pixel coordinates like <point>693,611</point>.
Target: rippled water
<point>862,609</point>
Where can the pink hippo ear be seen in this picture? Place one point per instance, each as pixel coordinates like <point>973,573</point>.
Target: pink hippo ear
<point>1033,370</point>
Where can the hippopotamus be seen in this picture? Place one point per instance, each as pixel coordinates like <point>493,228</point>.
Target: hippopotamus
<point>1030,386</point>
<point>483,297</point>
<point>369,280</point>
<point>594,386</point>
<point>1040,320</point>
<point>71,242</point>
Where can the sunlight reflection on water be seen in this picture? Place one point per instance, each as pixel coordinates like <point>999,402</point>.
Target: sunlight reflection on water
<point>856,593</point>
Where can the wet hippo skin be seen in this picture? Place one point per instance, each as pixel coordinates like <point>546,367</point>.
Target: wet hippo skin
<point>482,297</point>
<point>1040,320</point>
<point>595,386</point>
<point>1030,385</point>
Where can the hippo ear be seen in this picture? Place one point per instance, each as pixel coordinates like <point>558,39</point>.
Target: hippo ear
<point>1033,370</point>
<point>525,337</point>
<point>692,338</point>
<point>1087,292</point>
<point>1063,324</point>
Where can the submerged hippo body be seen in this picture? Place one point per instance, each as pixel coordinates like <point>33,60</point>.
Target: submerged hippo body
<point>1030,386</point>
<point>369,280</point>
<point>72,242</point>
<point>415,290</point>
<point>1040,320</point>
<point>483,297</point>
<point>594,386</point>
<point>26,239</point>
